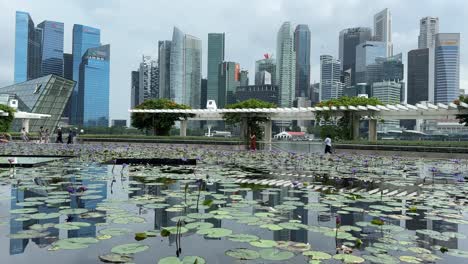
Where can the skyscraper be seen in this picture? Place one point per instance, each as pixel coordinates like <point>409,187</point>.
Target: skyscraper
<point>428,27</point>
<point>286,65</point>
<point>52,48</point>
<point>302,47</point>
<point>244,78</point>
<point>447,67</point>
<point>366,53</point>
<point>148,80</point>
<point>419,76</point>
<point>267,64</point>
<point>383,29</point>
<point>164,66</point>
<point>228,82</point>
<point>135,89</point>
<point>177,75</point>
<point>93,95</point>
<point>330,85</point>
<point>68,66</point>
<point>84,37</point>
<point>349,39</point>
<point>215,57</point>
<point>28,48</point>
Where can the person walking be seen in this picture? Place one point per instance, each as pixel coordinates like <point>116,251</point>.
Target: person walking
<point>328,145</point>
<point>24,135</point>
<point>59,136</point>
<point>46,136</point>
<point>253,142</point>
<point>41,135</point>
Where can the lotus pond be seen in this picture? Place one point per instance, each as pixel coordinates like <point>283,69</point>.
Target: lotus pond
<point>232,207</point>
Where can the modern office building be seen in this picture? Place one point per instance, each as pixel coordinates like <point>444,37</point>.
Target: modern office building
<point>185,69</point>
<point>262,78</point>
<point>446,67</point>
<point>93,91</point>
<point>267,93</point>
<point>148,81</point>
<point>383,29</point>
<point>84,37</point>
<point>164,67</point>
<point>314,93</point>
<point>119,123</point>
<point>68,66</point>
<point>302,47</point>
<point>267,64</point>
<point>44,95</point>
<point>388,92</point>
<point>229,80</point>
<point>428,27</point>
<point>52,48</point>
<point>349,39</point>
<point>28,48</point>
<point>366,53</point>
<point>135,89</point>
<point>244,78</point>
<point>330,73</point>
<point>216,47</point>
<point>385,69</point>
<point>420,77</point>
<point>286,65</point>
<point>204,93</point>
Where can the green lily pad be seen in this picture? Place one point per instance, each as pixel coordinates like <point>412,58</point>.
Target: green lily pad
<point>43,216</point>
<point>243,254</point>
<point>243,238</point>
<point>199,225</point>
<point>272,227</point>
<point>115,258</point>
<point>74,243</point>
<point>200,215</point>
<point>131,248</point>
<point>114,231</point>
<point>185,260</point>
<point>275,254</point>
<point>215,232</point>
<point>73,211</point>
<point>347,258</point>
<point>23,211</point>
<point>263,243</point>
<point>410,259</point>
<point>317,255</point>
<point>71,225</point>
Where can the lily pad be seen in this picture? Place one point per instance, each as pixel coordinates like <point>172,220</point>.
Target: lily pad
<point>263,243</point>
<point>275,254</point>
<point>243,238</point>
<point>131,248</point>
<point>114,231</point>
<point>185,260</point>
<point>74,243</point>
<point>115,258</point>
<point>199,225</point>
<point>317,255</point>
<point>347,258</point>
<point>215,232</point>
<point>243,254</point>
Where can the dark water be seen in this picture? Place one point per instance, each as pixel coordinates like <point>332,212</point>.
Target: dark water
<point>113,186</point>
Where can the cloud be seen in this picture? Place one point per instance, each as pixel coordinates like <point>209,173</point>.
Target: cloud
<point>133,28</point>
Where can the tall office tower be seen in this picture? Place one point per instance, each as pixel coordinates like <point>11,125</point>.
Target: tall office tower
<point>286,65</point>
<point>84,37</point>
<point>388,92</point>
<point>192,71</point>
<point>135,89</point>
<point>314,93</point>
<point>447,67</point>
<point>93,96</point>
<point>383,29</point>
<point>428,27</point>
<point>267,64</point>
<point>229,80</point>
<point>28,48</point>
<point>215,58</point>
<point>349,39</point>
<point>68,66</point>
<point>385,69</point>
<point>204,93</point>
<point>302,47</point>
<point>244,78</point>
<point>262,78</point>
<point>164,66</point>
<point>148,80</point>
<point>52,48</point>
<point>330,84</point>
<point>420,76</point>
<point>366,53</point>
<point>177,76</point>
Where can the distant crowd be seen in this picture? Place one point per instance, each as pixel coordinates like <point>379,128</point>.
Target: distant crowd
<point>45,135</point>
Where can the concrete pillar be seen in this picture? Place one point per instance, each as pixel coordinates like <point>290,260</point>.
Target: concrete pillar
<point>268,132</point>
<point>25,124</point>
<point>355,125</point>
<point>183,128</point>
<point>372,130</point>
<point>244,130</point>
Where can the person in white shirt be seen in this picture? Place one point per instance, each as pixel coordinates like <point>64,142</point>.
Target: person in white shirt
<point>328,145</point>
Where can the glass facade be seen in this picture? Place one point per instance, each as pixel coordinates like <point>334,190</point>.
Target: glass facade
<point>349,39</point>
<point>44,95</point>
<point>215,57</point>
<point>418,76</point>
<point>447,67</point>
<point>286,65</point>
<point>135,90</point>
<point>84,37</point>
<point>228,82</point>
<point>164,65</point>
<point>366,54</point>
<point>192,73</point>
<point>177,76</point>
<point>268,65</point>
<point>302,46</point>
<point>93,95</point>
<point>330,75</point>
<point>52,48</point>
<point>28,45</point>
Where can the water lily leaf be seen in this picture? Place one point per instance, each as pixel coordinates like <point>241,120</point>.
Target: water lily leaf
<point>200,215</point>
<point>115,258</point>
<point>73,211</point>
<point>243,254</point>
<point>263,243</point>
<point>43,216</point>
<point>215,232</point>
<point>199,225</point>
<point>26,234</point>
<point>114,231</point>
<point>140,236</point>
<point>243,238</point>
<point>347,258</point>
<point>410,259</point>
<point>23,211</point>
<point>173,230</point>
<point>128,220</point>
<point>272,227</point>
<point>317,255</point>
<point>72,225</point>
<point>275,254</point>
<point>74,243</point>
<point>131,248</point>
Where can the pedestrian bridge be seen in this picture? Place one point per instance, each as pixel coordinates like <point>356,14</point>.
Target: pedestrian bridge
<point>423,111</point>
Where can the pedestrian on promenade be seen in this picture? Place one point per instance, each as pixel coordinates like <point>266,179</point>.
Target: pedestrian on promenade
<point>328,145</point>
<point>46,136</point>
<point>41,135</point>
<point>253,142</point>
<point>59,136</point>
<point>24,135</point>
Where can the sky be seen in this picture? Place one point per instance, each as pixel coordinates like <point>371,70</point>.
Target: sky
<point>134,27</point>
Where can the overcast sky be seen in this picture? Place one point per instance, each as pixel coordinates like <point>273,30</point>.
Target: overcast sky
<point>133,28</point>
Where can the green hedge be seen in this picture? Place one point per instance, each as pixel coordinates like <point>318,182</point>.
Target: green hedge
<point>6,121</point>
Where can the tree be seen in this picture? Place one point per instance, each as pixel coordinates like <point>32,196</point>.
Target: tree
<point>254,120</point>
<point>6,121</point>
<point>159,123</point>
<point>343,129</point>
<point>462,118</point>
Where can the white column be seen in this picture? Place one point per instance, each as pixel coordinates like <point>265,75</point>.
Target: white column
<point>372,130</point>
<point>25,124</point>
<point>268,132</point>
<point>183,128</point>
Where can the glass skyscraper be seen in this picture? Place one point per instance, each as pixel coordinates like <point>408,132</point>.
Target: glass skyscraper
<point>93,95</point>
<point>330,74</point>
<point>28,48</point>
<point>215,58</point>
<point>286,65</point>
<point>164,65</point>
<point>84,37</point>
<point>349,39</point>
<point>268,64</point>
<point>177,66</point>
<point>447,67</point>
<point>302,47</point>
<point>228,82</point>
<point>52,48</point>
<point>366,53</point>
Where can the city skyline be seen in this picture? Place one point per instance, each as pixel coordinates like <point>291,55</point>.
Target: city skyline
<point>244,43</point>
